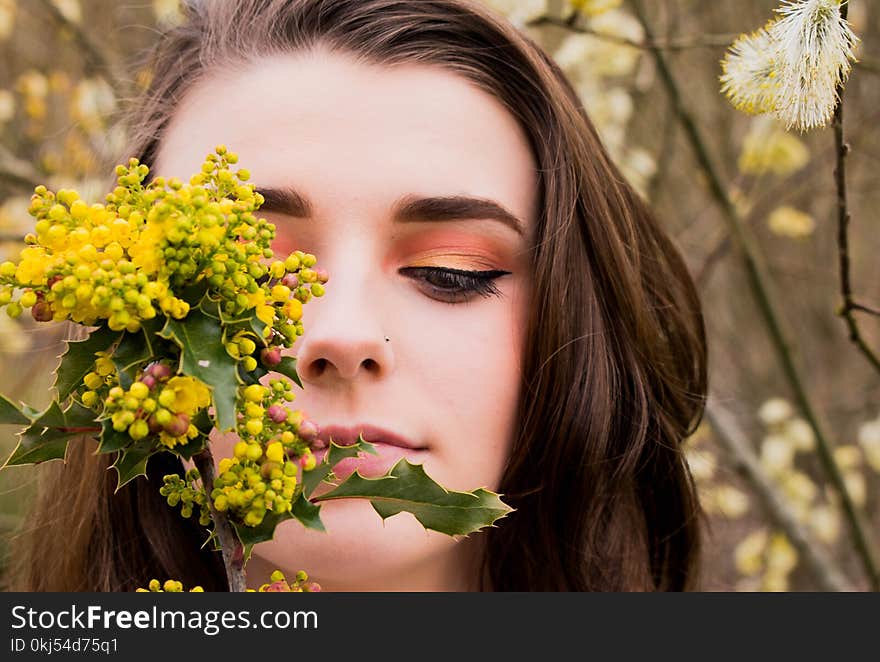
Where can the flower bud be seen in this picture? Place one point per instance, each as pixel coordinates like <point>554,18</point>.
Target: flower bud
<point>271,356</point>
<point>160,371</point>
<point>178,425</point>
<point>308,430</point>
<point>308,461</point>
<point>277,413</point>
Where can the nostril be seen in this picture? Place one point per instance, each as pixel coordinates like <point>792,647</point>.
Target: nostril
<point>370,365</point>
<point>318,366</point>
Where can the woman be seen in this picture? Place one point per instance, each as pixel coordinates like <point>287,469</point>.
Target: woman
<point>502,307</point>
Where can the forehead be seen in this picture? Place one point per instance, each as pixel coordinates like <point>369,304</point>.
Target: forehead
<point>353,132</point>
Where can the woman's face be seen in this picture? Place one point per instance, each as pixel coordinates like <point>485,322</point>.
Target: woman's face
<point>366,147</point>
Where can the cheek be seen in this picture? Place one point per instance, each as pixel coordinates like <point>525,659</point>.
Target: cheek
<point>473,373</point>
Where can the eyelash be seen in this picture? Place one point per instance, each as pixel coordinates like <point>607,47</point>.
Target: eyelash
<point>463,283</point>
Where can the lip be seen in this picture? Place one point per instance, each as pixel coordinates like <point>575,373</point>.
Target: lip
<point>348,435</point>
<point>390,448</point>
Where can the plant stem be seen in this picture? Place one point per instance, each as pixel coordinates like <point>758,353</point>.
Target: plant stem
<point>758,282</point>
<point>230,545</point>
<point>843,218</point>
<point>734,441</point>
<point>669,44</point>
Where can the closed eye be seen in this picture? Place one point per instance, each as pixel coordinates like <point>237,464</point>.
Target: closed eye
<point>456,285</point>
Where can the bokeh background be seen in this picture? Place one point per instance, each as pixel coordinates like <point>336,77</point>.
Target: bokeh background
<point>775,523</point>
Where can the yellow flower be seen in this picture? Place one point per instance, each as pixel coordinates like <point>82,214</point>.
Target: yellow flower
<point>789,222</point>
<point>775,411</point>
<point>869,440</point>
<point>750,73</point>
<point>767,147</point>
<point>777,454</point>
<point>594,7</point>
<point>825,523</point>
<point>749,553</point>
<point>190,395</point>
<point>730,501</point>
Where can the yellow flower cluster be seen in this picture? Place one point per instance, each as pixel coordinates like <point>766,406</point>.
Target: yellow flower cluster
<point>278,584</point>
<point>156,403</point>
<point>128,260</point>
<point>255,482</point>
<point>170,586</point>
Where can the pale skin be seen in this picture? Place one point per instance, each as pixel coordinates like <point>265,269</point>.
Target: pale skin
<point>354,139</point>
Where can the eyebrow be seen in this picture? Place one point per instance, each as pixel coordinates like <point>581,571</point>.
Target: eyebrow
<point>408,209</point>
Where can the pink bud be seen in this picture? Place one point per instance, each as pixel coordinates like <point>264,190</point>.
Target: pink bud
<point>149,380</point>
<point>271,356</point>
<point>308,430</point>
<point>318,444</point>
<point>277,413</point>
<point>41,311</point>
<point>313,587</point>
<point>290,280</point>
<point>322,274</point>
<point>160,371</point>
<point>277,587</point>
<point>178,425</point>
<point>155,426</point>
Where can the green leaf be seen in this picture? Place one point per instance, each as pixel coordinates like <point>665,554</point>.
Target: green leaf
<point>307,513</point>
<point>133,350</point>
<point>287,367</point>
<point>79,359</point>
<point>407,488</point>
<point>258,326</point>
<point>46,438</point>
<point>203,356</point>
<point>132,462</point>
<point>111,440</point>
<point>10,414</point>
<point>251,535</point>
<point>191,447</point>
<point>250,323</point>
<point>335,453</point>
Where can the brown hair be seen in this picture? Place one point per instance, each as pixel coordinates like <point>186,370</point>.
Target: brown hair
<point>615,364</point>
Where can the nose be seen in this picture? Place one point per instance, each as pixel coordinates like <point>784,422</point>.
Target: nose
<point>344,338</point>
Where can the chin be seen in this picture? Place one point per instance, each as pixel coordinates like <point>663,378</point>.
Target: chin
<point>360,552</point>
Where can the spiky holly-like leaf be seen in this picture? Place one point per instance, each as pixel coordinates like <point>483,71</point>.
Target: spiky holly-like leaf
<point>407,488</point>
<point>47,436</point>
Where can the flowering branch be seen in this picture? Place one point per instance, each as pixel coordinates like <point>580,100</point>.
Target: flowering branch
<point>732,438</point>
<point>759,283</point>
<point>843,218</point>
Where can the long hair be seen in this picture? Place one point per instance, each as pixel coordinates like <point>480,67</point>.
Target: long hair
<point>615,359</point>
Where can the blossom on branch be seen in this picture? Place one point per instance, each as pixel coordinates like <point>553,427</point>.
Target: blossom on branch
<point>792,66</point>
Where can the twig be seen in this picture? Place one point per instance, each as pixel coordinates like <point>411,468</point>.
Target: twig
<point>230,545</point>
<point>758,282</point>
<point>733,439</point>
<point>670,44</point>
<point>864,309</point>
<point>843,219</point>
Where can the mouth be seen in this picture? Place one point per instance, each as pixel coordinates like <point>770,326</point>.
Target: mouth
<point>348,436</point>
<point>390,448</point>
